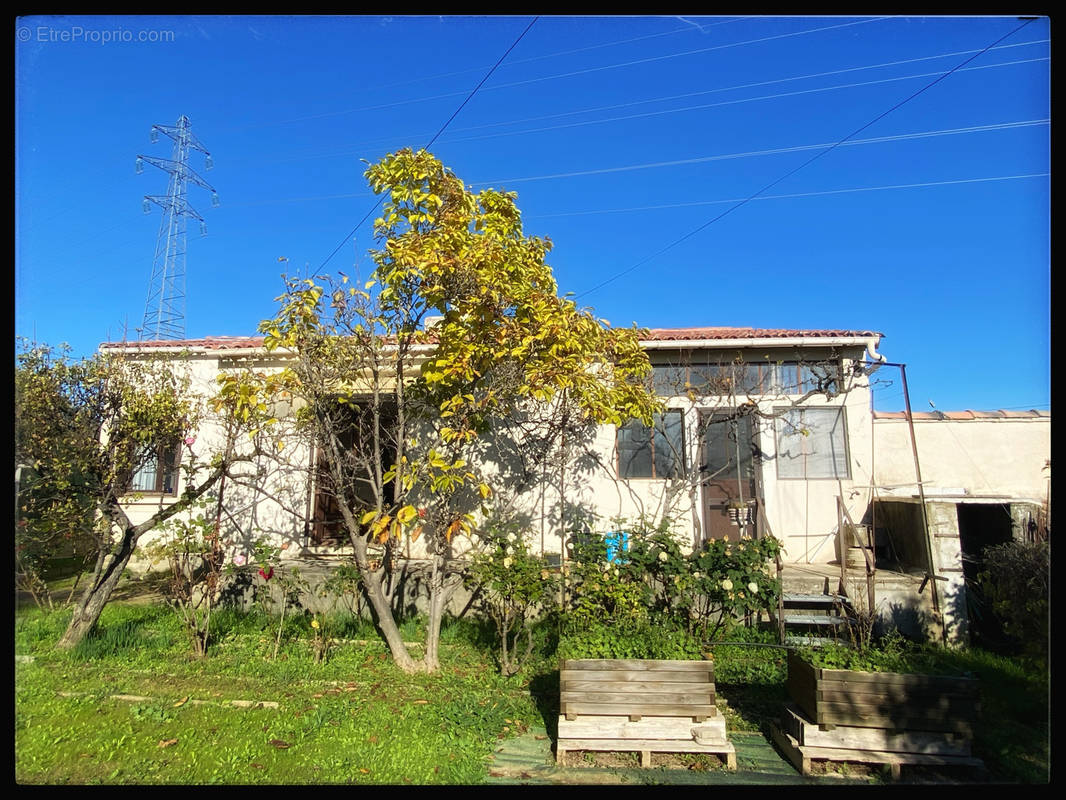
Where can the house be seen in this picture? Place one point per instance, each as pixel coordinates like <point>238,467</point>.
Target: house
<point>765,431</point>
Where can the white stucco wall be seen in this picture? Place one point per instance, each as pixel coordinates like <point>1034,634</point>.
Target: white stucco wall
<point>276,513</point>
<point>1004,457</point>
<point>801,512</point>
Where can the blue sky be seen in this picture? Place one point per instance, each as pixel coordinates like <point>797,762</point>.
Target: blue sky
<point>632,143</point>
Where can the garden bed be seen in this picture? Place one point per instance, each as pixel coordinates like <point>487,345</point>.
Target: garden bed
<point>844,715</point>
<point>889,700</point>
<point>640,705</point>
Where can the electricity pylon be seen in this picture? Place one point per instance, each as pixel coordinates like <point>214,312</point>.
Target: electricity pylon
<point>164,311</point>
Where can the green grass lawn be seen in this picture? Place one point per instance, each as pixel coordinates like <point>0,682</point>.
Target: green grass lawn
<point>356,718</point>
<point>353,719</point>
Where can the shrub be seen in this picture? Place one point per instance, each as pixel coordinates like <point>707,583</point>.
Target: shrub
<point>699,592</point>
<point>628,639</point>
<point>512,587</point>
<point>891,653</point>
<point>1015,583</point>
<point>599,589</point>
<point>193,553</point>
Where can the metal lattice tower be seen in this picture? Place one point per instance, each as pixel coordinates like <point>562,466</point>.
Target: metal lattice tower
<point>164,312</point>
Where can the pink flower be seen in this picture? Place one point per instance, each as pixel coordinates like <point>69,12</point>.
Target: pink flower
<point>190,440</point>
<point>267,575</point>
<point>239,559</point>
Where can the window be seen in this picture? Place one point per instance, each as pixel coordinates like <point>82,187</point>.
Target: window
<point>157,470</point>
<point>654,452</point>
<point>743,378</point>
<point>812,443</point>
<point>355,428</point>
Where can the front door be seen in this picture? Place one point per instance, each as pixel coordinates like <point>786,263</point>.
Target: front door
<point>727,470</point>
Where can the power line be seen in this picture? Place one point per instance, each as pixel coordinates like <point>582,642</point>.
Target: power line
<point>650,59</point>
<point>999,126</point>
<point>571,74</point>
<point>513,63</point>
<point>771,151</point>
<point>666,98</point>
<point>738,101</point>
<point>795,195</point>
<point>792,172</point>
<point>659,207</point>
<point>431,141</point>
<point>755,84</point>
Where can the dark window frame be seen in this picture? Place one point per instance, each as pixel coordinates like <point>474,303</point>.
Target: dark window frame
<point>166,464</point>
<point>677,469</point>
<point>325,525</point>
<point>781,377</point>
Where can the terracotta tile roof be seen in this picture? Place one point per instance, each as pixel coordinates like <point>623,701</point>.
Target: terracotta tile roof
<point>963,415</point>
<point>207,343</point>
<point>655,334</point>
<point>689,334</point>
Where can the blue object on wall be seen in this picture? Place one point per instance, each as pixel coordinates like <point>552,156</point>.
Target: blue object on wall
<point>617,544</point>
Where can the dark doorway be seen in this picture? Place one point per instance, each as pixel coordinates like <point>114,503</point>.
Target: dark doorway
<point>727,474</point>
<point>982,525</point>
<point>356,429</point>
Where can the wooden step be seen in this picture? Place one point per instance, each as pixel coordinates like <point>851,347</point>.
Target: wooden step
<point>814,619</point>
<point>827,600</point>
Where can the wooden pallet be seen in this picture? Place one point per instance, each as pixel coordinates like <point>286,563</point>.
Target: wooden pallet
<point>646,747</point>
<point>640,706</point>
<point>809,733</point>
<point>801,756</point>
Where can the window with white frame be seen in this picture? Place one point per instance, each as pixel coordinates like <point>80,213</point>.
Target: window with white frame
<point>812,443</point>
<point>655,452</point>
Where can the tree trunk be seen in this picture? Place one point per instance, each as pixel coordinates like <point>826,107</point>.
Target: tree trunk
<point>110,565</point>
<point>380,605</point>
<point>92,602</point>
<point>437,598</point>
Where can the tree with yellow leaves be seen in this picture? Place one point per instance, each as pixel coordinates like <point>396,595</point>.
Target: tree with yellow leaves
<point>459,332</point>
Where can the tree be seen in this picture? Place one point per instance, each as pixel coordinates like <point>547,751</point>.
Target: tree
<point>53,503</point>
<point>398,408</point>
<point>87,427</point>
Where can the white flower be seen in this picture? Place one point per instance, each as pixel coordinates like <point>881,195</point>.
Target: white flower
<point>753,587</point>
<point>663,555</point>
<point>697,575</point>
<point>239,559</point>
<point>508,561</point>
<point>727,584</point>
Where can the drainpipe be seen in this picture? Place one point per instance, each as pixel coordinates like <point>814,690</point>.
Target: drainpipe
<point>878,358</point>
